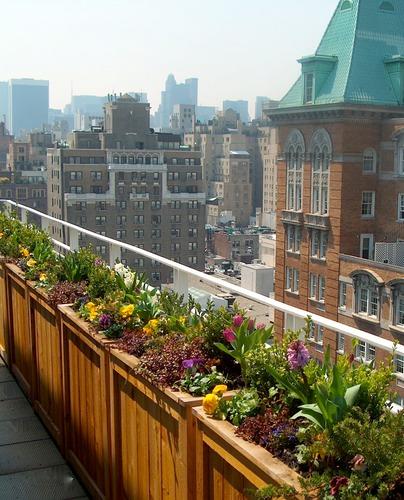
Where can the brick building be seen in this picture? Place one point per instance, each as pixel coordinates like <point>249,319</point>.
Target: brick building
<point>341,179</point>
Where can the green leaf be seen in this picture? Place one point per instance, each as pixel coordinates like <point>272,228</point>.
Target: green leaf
<point>351,394</point>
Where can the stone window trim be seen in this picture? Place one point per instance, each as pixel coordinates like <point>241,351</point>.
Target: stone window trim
<point>321,153</point>
<point>369,163</point>
<point>397,304</point>
<point>295,151</point>
<point>368,288</point>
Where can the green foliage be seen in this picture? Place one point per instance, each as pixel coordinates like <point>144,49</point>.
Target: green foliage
<point>245,340</point>
<point>332,401</point>
<point>114,331</point>
<point>146,305</point>
<point>102,282</point>
<point>273,491</point>
<point>260,357</point>
<point>375,383</point>
<point>214,320</point>
<point>245,403</point>
<point>76,266</point>
<point>200,384</point>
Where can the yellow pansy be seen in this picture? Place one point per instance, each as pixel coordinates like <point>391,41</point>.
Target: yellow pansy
<point>1,235</point>
<point>182,320</point>
<point>24,251</point>
<point>93,314</point>
<point>42,277</point>
<point>210,403</point>
<point>219,390</point>
<point>151,327</point>
<point>126,311</point>
<point>31,262</point>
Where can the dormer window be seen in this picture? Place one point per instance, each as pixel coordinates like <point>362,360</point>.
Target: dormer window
<point>347,5</point>
<point>308,88</point>
<point>386,7</point>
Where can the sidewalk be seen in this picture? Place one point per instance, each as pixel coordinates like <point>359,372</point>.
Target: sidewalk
<point>31,466</point>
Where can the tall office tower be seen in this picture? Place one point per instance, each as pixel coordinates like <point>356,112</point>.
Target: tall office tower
<point>240,107</point>
<point>340,230</point>
<point>268,153</point>
<point>28,105</point>
<point>262,103</point>
<point>133,185</point>
<point>175,93</point>
<point>182,119</point>
<point>4,102</point>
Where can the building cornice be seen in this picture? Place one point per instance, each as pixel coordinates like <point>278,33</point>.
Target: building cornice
<point>334,112</point>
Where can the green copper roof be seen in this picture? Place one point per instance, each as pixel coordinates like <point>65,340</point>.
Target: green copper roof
<point>360,40</point>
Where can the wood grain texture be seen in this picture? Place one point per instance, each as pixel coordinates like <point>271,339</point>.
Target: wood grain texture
<point>229,467</point>
<point>45,330</point>
<point>22,346</point>
<point>153,448</point>
<point>4,349</point>
<point>85,361</point>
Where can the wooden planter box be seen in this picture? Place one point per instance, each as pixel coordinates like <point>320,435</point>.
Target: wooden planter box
<point>86,406</point>
<point>229,467</point>
<point>47,338</point>
<point>4,349</point>
<point>152,436</point>
<point>22,347</point>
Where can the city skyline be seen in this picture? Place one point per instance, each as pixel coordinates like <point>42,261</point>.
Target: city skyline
<point>135,54</point>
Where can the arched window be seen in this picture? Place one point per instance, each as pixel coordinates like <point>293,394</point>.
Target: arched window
<point>155,160</point>
<point>131,160</point>
<point>346,5</point>
<point>397,288</point>
<point>295,150</point>
<point>148,160</point>
<point>124,160</point>
<point>369,160</point>
<point>139,159</point>
<point>387,7</point>
<point>367,294</point>
<point>115,159</point>
<point>320,149</point>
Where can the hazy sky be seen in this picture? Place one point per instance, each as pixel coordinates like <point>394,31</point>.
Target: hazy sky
<point>237,48</point>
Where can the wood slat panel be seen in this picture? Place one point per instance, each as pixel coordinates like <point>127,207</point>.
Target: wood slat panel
<point>49,401</point>
<point>22,347</point>
<point>3,314</point>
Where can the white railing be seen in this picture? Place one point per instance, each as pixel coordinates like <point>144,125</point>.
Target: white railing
<point>182,274</point>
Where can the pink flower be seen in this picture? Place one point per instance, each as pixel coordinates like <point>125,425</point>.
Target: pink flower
<point>229,335</point>
<point>298,355</point>
<point>337,483</point>
<point>238,321</point>
<point>260,326</point>
<point>251,325</point>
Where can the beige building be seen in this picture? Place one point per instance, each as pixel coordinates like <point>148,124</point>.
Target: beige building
<point>149,197</point>
<point>182,119</point>
<point>268,150</point>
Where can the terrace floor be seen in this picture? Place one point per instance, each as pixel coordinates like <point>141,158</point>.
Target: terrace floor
<point>31,466</point>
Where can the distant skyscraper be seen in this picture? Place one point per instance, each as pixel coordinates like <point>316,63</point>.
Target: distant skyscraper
<point>205,113</point>
<point>241,107</point>
<point>175,93</point>
<point>28,105</point>
<point>261,103</point>
<point>4,102</point>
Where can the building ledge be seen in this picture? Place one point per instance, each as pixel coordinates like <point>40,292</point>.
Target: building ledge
<point>292,217</point>
<point>316,221</point>
<point>368,319</point>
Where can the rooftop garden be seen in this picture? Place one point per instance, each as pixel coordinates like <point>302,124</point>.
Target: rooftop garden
<point>330,422</point>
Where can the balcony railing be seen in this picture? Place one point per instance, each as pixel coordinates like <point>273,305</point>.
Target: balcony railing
<point>183,273</point>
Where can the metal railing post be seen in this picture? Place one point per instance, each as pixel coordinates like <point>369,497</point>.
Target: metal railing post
<point>23,218</point>
<point>114,254</point>
<point>181,285</point>
<point>74,239</point>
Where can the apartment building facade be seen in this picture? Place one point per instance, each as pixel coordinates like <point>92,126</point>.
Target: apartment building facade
<point>341,182</point>
<point>152,198</point>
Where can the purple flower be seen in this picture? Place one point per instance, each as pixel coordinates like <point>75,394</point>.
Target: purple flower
<point>229,335</point>
<point>98,262</point>
<point>260,326</point>
<point>251,325</point>
<point>191,363</point>
<point>298,355</point>
<point>82,300</point>
<point>105,321</point>
<point>238,321</point>
<point>337,483</point>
